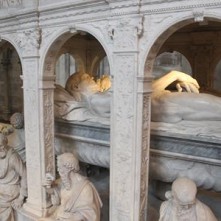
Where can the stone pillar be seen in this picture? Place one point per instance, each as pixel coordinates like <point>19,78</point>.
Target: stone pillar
<point>39,123</point>
<point>129,126</point>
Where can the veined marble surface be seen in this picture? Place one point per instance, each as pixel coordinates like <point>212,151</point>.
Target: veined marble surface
<point>198,129</point>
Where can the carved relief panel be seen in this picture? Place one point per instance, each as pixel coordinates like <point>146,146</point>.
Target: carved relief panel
<point>125,158</point>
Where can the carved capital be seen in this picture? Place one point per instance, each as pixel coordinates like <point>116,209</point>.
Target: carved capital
<point>125,32</point>
<point>29,40</point>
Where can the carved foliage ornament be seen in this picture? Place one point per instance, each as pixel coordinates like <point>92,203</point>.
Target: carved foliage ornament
<point>29,40</point>
<point>125,32</point>
<point>198,14</point>
<point>106,30</point>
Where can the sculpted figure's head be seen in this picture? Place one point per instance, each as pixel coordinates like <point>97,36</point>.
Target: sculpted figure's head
<point>17,120</point>
<point>81,83</point>
<point>184,191</point>
<point>3,146</point>
<point>67,162</point>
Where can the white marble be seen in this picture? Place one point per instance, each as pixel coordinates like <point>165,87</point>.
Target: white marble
<point>182,204</point>
<point>131,33</point>
<point>13,182</point>
<point>74,197</point>
<point>195,129</point>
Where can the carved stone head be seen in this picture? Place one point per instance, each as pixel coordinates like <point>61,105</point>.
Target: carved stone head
<point>17,120</point>
<point>184,191</point>
<point>67,162</point>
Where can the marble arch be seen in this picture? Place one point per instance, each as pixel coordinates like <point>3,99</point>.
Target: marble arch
<point>12,40</point>
<point>167,28</point>
<point>11,92</point>
<point>54,45</point>
<point>37,29</point>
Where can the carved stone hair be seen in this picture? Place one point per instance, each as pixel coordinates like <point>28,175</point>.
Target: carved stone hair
<point>69,161</point>
<point>17,120</point>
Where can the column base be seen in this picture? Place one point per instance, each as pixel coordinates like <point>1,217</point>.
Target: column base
<point>33,211</point>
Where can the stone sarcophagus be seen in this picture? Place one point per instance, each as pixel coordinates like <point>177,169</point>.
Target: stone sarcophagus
<point>183,149</point>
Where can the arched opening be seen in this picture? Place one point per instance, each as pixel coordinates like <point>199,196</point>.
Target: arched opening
<point>11,98</point>
<point>82,126</point>
<point>103,67</point>
<point>168,61</point>
<point>11,93</point>
<point>170,158</point>
<point>65,66</point>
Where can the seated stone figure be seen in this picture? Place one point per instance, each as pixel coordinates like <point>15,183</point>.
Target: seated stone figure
<point>75,197</point>
<point>182,204</point>
<point>167,106</point>
<point>13,182</point>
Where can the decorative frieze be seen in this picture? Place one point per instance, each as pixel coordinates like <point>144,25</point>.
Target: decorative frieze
<point>163,6</point>
<point>9,3</point>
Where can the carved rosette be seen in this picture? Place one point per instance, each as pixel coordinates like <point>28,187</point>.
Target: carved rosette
<point>29,41</point>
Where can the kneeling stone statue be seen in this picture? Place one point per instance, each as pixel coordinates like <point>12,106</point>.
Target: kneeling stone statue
<point>75,197</point>
<point>182,204</point>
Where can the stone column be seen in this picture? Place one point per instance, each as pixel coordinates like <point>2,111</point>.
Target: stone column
<point>39,123</point>
<point>129,126</point>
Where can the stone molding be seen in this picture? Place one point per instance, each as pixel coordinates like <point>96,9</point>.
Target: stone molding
<point>176,6</point>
